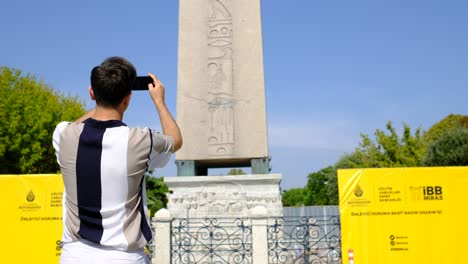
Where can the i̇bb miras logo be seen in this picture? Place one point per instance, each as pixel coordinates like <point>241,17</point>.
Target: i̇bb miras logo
<point>427,193</point>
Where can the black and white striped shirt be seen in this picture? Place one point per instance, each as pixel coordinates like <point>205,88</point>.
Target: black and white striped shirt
<point>103,164</point>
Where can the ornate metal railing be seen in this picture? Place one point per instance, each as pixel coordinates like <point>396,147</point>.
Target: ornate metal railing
<point>304,240</point>
<point>211,240</point>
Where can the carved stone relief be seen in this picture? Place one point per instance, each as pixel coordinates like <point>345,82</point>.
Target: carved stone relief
<point>220,79</point>
<point>227,199</point>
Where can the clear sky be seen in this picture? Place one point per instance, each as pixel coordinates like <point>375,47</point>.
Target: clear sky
<point>333,69</point>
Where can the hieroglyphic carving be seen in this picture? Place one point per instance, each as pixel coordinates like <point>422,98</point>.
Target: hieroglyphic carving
<point>220,79</point>
<point>218,10</point>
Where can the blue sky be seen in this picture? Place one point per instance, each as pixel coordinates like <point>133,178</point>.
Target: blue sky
<point>333,69</point>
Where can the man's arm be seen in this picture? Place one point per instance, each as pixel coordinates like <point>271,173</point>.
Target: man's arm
<point>168,124</point>
<point>86,116</point>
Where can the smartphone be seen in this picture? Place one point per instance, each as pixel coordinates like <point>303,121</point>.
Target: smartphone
<point>141,83</point>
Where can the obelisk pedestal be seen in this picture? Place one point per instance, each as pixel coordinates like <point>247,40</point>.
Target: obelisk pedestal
<point>223,196</point>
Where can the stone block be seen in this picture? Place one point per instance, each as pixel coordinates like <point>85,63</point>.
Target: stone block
<point>220,90</point>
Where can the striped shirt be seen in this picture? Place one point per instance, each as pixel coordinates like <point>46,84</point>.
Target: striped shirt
<point>103,164</point>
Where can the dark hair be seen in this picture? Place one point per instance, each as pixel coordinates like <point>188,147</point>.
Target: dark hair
<point>112,81</point>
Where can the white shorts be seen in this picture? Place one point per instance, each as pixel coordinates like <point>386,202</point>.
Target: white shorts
<point>85,252</point>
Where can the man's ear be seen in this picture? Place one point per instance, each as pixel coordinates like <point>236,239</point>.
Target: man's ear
<point>127,99</point>
<point>125,102</point>
<point>91,93</point>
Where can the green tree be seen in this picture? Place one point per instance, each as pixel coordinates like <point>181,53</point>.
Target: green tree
<point>388,150</point>
<point>236,172</point>
<point>332,186</point>
<point>444,126</point>
<point>156,193</point>
<point>293,197</point>
<point>317,187</point>
<point>29,112</point>
<point>451,149</point>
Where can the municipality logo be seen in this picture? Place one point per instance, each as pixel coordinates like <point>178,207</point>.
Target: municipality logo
<point>358,200</point>
<point>30,204</point>
<point>30,197</point>
<point>358,191</point>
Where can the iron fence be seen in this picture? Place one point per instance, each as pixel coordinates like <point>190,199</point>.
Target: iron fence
<point>211,240</point>
<point>288,240</point>
<point>304,239</point>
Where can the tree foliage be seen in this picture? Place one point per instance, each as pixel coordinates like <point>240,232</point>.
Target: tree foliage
<point>451,149</point>
<point>317,187</point>
<point>293,197</point>
<point>236,172</point>
<point>388,150</point>
<point>444,126</point>
<point>156,193</point>
<point>29,112</point>
<point>332,186</point>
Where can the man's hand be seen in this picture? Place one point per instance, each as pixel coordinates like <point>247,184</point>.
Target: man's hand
<point>168,124</point>
<point>156,90</point>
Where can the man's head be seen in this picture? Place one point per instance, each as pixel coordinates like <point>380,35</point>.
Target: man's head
<point>112,81</point>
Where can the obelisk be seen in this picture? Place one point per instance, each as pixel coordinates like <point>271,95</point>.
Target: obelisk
<point>220,90</point>
<point>221,112</point>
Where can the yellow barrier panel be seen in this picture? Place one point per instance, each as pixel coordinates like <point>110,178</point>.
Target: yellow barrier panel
<point>31,222</point>
<point>404,215</point>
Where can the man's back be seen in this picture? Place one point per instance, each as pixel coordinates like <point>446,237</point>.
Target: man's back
<point>103,164</point>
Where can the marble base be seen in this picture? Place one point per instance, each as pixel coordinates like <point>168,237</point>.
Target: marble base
<point>223,196</point>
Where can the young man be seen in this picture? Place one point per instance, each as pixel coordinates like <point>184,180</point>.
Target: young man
<point>103,163</point>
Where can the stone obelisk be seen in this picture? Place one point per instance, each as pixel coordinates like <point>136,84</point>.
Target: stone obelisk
<point>221,112</point>
<point>220,89</point>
